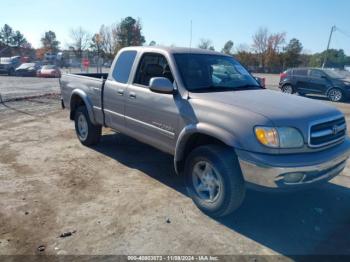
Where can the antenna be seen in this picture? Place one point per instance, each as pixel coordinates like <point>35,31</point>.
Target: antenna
<point>191,34</point>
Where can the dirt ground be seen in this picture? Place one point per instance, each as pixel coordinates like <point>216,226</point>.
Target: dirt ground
<point>123,197</point>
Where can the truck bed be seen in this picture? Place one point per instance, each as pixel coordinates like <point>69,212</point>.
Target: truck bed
<point>91,84</point>
<point>93,75</point>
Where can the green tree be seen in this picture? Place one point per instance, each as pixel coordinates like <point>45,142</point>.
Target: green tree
<point>206,44</point>
<point>228,48</point>
<point>336,58</point>
<point>129,33</point>
<point>6,35</point>
<point>152,43</point>
<point>19,40</point>
<point>292,53</point>
<point>49,42</point>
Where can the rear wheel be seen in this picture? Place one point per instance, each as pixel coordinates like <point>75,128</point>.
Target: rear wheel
<point>288,89</point>
<point>214,180</point>
<point>87,133</point>
<point>335,95</point>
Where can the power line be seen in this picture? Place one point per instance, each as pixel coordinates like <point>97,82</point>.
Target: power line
<point>343,32</point>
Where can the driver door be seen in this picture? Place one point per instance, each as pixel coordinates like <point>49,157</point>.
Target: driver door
<point>152,117</point>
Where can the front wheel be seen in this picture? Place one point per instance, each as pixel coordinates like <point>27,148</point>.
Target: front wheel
<point>87,133</point>
<point>214,180</point>
<point>335,95</point>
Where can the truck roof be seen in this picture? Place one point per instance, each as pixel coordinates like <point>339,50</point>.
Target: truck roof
<point>174,50</point>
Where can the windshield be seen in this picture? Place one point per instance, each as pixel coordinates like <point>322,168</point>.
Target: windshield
<point>337,73</point>
<point>213,73</point>
<point>26,65</point>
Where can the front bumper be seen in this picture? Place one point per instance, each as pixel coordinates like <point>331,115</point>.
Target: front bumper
<point>294,171</point>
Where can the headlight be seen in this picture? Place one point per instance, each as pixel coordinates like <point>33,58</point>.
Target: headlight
<point>279,137</point>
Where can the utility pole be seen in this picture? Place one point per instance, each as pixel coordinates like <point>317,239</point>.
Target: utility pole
<point>329,43</point>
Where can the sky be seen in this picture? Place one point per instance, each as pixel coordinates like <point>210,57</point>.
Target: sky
<point>168,21</point>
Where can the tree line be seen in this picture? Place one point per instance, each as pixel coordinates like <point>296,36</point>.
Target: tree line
<point>268,52</point>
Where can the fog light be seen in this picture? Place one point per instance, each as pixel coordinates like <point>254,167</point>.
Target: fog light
<point>293,177</point>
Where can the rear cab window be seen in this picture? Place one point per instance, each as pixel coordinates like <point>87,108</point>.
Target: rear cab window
<point>123,66</point>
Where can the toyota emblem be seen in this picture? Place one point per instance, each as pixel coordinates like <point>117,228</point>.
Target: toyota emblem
<point>335,130</point>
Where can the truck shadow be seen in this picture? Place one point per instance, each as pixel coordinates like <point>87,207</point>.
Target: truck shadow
<point>303,223</point>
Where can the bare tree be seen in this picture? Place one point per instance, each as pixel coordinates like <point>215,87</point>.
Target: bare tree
<point>243,48</point>
<point>275,42</point>
<point>268,46</point>
<point>260,43</point>
<point>81,41</point>
<point>206,44</point>
<point>107,40</point>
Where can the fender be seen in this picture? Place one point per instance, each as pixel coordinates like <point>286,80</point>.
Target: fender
<point>87,102</point>
<point>206,129</point>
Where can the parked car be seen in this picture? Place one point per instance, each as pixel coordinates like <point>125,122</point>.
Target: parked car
<point>27,69</point>
<point>49,71</point>
<point>331,83</point>
<point>224,130</point>
<point>8,65</point>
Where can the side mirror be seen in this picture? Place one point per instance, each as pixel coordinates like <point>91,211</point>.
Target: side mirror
<point>161,85</point>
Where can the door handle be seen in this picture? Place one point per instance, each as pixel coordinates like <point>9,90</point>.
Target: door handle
<point>132,95</point>
<point>120,92</point>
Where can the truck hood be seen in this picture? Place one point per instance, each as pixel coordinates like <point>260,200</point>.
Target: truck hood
<point>282,109</point>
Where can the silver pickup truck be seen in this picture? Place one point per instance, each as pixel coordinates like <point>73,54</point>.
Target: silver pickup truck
<point>224,130</point>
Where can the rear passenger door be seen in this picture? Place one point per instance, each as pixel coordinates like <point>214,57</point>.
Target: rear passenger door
<point>152,117</point>
<point>115,90</point>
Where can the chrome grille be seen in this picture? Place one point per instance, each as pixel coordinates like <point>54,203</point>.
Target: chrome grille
<point>328,132</point>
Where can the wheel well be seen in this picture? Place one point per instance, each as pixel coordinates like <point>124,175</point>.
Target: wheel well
<point>75,102</point>
<point>193,142</point>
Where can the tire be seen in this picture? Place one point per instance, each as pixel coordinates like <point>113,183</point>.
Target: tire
<point>87,133</point>
<point>287,89</point>
<point>335,95</point>
<point>220,191</point>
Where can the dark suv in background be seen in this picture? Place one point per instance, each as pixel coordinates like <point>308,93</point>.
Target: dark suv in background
<point>334,84</point>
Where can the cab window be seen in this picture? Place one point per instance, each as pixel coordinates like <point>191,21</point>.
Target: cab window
<point>152,65</point>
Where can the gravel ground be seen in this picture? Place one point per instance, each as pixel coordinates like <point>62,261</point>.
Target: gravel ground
<point>19,87</point>
<point>123,197</point>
